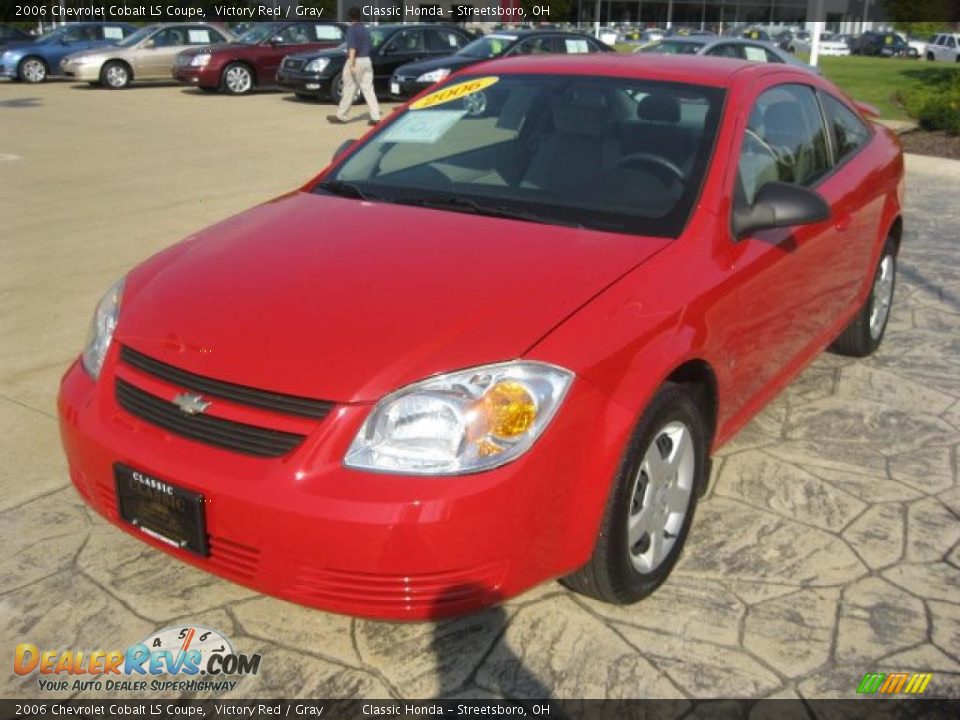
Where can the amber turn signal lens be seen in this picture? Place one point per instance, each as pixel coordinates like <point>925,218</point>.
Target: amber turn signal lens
<point>510,409</point>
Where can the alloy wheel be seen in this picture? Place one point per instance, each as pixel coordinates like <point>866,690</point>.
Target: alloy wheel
<point>117,76</point>
<point>239,80</point>
<point>660,497</point>
<point>34,71</point>
<point>882,296</point>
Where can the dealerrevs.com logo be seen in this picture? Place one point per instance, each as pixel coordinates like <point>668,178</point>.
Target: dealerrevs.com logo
<point>199,658</point>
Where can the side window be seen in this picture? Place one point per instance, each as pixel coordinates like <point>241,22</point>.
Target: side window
<point>535,46</point>
<point>728,50</point>
<point>951,42</point>
<point>754,53</point>
<point>405,41</point>
<point>83,33</point>
<point>296,34</point>
<point>785,140</point>
<point>326,33</point>
<point>170,37</point>
<point>849,131</point>
<point>440,40</point>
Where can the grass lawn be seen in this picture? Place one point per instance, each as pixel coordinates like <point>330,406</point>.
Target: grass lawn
<point>878,80</point>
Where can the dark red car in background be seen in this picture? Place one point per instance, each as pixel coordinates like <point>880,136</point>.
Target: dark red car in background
<point>237,68</point>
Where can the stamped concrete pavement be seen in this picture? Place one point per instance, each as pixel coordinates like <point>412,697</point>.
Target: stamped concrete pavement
<point>828,545</point>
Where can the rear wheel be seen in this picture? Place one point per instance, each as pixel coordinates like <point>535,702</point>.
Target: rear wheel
<point>651,503</point>
<point>865,332</point>
<point>115,75</point>
<point>32,70</point>
<point>237,79</point>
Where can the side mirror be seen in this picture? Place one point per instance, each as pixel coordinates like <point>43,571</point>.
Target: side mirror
<point>147,44</point>
<point>276,40</point>
<point>344,146</point>
<point>779,204</point>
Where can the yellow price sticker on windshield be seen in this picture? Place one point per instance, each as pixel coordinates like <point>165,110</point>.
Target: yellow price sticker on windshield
<point>454,92</point>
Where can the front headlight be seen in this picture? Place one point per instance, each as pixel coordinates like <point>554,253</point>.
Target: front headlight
<point>318,65</point>
<point>434,75</point>
<point>101,330</point>
<point>200,60</point>
<point>462,422</point>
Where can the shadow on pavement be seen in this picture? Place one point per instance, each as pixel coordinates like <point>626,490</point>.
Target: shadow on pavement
<point>493,620</point>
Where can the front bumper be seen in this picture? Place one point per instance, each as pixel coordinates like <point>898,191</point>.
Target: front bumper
<point>197,76</point>
<point>404,88</point>
<point>8,69</point>
<point>304,528</point>
<point>304,83</point>
<point>88,72</point>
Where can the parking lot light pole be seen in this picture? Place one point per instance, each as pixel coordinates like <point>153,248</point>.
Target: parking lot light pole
<point>818,25</point>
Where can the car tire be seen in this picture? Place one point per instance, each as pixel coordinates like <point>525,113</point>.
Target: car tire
<point>32,69</point>
<point>865,332</point>
<point>336,88</point>
<point>115,75</point>
<point>237,79</point>
<point>649,495</point>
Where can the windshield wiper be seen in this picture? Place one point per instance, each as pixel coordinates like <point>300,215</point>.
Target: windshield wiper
<point>461,204</point>
<point>346,189</point>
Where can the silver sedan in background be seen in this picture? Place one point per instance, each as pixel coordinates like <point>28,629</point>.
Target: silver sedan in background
<point>728,47</point>
<point>148,54</point>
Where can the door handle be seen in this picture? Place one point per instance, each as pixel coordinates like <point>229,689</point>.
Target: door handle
<point>843,223</point>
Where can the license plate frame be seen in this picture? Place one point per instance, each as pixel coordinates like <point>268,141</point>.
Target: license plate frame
<point>162,510</point>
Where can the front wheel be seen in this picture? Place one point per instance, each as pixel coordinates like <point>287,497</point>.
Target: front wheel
<point>32,70</point>
<point>237,79</point>
<point>865,332</point>
<point>115,75</point>
<point>651,502</point>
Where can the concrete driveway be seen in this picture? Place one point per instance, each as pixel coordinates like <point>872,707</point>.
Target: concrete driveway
<point>827,548</point>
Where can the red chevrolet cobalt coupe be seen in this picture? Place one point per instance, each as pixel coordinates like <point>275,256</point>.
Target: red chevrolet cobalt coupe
<point>496,340</point>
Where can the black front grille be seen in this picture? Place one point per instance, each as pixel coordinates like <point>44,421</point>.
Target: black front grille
<point>277,402</point>
<point>239,437</point>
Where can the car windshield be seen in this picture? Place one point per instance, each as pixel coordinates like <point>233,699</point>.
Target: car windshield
<point>615,154</point>
<point>136,37</point>
<point>256,35</point>
<point>672,47</point>
<point>489,46</point>
<point>379,35</point>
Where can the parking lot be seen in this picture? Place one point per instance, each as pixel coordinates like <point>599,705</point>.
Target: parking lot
<point>828,546</point>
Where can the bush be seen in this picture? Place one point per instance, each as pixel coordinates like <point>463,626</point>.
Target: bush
<point>936,106</point>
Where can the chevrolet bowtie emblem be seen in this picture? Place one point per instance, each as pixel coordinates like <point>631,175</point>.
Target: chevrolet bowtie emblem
<point>191,404</point>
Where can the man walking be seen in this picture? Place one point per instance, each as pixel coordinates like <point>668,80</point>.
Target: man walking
<point>357,71</point>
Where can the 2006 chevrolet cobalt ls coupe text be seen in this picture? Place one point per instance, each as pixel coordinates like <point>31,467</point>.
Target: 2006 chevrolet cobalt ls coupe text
<point>496,340</point>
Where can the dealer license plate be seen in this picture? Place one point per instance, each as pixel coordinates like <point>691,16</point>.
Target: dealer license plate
<point>161,510</point>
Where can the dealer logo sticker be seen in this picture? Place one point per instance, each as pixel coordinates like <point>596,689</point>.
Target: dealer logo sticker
<point>198,659</point>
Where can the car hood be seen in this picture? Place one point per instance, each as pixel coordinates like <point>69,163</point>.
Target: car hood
<point>99,53</point>
<point>218,47</point>
<point>19,45</point>
<point>454,62</point>
<point>345,300</point>
<point>334,52</point>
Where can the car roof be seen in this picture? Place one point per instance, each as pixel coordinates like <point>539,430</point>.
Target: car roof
<point>690,69</point>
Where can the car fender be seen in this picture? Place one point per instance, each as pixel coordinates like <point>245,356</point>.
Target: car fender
<point>625,343</point>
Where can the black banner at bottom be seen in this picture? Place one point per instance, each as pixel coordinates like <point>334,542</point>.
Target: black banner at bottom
<point>866,708</point>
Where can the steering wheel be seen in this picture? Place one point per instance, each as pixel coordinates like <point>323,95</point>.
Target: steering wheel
<point>656,161</point>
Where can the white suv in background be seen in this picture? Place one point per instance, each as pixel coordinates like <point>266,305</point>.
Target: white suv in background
<point>944,47</point>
